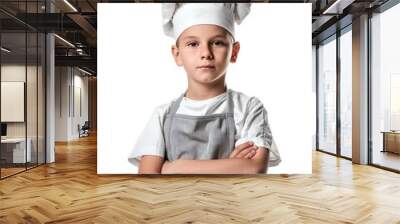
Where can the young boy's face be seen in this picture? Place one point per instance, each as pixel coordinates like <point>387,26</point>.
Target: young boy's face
<point>205,52</point>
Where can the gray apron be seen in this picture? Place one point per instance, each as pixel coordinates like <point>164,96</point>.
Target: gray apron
<point>199,137</point>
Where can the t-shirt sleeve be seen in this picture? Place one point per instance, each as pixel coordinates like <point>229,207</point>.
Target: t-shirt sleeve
<point>151,140</point>
<point>256,128</point>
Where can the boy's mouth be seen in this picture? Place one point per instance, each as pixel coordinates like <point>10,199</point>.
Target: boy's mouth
<point>206,67</point>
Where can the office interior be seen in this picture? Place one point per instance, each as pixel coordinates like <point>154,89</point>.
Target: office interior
<point>48,77</point>
<point>49,92</point>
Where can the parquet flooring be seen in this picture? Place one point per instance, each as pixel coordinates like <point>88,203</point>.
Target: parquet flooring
<point>387,159</point>
<point>10,171</point>
<point>70,191</point>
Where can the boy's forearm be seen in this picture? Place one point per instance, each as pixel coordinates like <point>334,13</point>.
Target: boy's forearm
<point>257,164</point>
<point>220,166</point>
<point>150,164</point>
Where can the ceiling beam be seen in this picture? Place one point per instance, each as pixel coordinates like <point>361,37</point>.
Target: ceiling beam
<point>85,61</point>
<point>84,24</point>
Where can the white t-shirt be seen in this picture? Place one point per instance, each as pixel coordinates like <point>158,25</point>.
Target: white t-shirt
<point>250,117</point>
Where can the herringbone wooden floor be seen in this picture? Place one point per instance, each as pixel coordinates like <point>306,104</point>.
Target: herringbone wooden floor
<point>70,191</point>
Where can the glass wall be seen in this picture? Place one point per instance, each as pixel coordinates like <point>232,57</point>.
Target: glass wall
<point>385,88</point>
<point>330,68</point>
<point>22,92</point>
<point>41,96</point>
<point>31,104</point>
<point>327,95</point>
<point>13,109</point>
<point>346,92</point>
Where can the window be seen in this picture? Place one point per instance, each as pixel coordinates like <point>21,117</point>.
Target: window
<point>327,96</point>
<point>385,88</point>
<point>346,93</point>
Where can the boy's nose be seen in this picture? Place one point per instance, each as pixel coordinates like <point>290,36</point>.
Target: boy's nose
<point>206,53</point>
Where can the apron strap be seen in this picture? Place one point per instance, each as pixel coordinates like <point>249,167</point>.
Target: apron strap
<point>229,100</point>
<point>175,105</point>
<point>171,113</point>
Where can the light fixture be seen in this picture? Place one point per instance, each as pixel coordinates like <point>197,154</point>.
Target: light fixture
<point>338,6</point>
<point>80,51</point>
<point>84,71</point>
<point>5,50</point>
<point>65,41</point>
<point>70,5</point>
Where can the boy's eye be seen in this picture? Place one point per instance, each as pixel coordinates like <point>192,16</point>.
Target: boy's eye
<point>191,44</point>
<point>219,43</point>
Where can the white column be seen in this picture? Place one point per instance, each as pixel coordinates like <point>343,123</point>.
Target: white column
<point>50,93</point>
<point>360,90</point>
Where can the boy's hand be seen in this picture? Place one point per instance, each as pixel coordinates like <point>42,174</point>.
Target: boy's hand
<point>244,151</point>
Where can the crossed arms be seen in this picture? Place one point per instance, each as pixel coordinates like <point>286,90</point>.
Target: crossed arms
<point>244,159</point>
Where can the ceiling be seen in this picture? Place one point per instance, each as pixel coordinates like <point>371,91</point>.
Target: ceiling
<point>76,22</point>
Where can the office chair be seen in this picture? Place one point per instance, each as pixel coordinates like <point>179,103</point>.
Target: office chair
<point>84,130</point>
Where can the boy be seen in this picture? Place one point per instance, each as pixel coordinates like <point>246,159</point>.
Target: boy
<point>209,129</point>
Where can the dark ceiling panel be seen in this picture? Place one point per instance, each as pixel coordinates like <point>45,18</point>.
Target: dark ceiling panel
<point>49,22</point>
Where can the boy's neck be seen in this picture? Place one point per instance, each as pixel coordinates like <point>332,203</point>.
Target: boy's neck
<point>197,91</point>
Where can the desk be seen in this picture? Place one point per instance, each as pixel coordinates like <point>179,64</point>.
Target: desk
<point>15,148</point>
<point>391,141</point>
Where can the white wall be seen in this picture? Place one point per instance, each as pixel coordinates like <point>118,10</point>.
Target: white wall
<point>80,83</point>
<point>61,103</point>
<point>69,82</point>
<point>16,73</point>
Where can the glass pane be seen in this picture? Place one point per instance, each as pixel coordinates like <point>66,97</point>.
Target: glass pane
<point>13,89</point>
<point>327,97</point>
<point>386,89</point>
<point>32,86</point>
<point>41,98</point>
<point>346,94</point>
<point>31,101</point>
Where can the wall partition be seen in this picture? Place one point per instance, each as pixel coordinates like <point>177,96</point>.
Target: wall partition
<point>22,77</point>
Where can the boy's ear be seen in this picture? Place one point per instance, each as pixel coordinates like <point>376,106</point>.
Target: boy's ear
<point>235,51</point>
<point>176,55</point>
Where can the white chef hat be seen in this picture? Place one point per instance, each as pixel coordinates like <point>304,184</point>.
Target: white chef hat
<point>177,17</point>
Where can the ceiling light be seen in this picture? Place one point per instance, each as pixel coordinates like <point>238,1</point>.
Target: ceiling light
<point>338,6</point>
<point>70,5</point>
<point>64,40</point>
<point>5,50</point>
<point>84,71</point>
